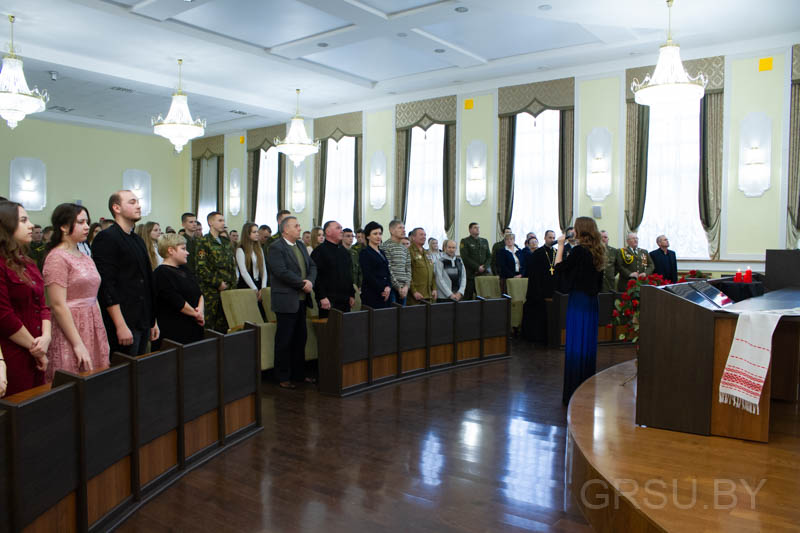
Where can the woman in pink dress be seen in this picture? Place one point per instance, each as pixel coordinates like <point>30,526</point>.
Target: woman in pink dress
<point>79,338</point>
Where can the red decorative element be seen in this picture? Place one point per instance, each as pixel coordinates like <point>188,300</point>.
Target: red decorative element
<point>626,308</point>
<point>737,278</point>
<point>748,275</point>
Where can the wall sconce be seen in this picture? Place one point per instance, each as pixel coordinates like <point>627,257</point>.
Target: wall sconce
<point>138,182</point>
<point>235,192</point>
<point>28,183</point>
<point>377,181</point>
<point>299,188</point>
<point>755,149</point>
<point>476,172</point>
<point>598,164</point>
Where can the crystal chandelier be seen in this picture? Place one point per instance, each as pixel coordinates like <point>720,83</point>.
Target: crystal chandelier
<point>297,145</point>
<point>670,83</point>
<point>16,99</point>
<point>178,127</point>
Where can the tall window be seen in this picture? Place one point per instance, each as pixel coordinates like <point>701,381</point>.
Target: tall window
<point>425,206</point>
<point>267,199</point>
<point>340,175</point>
<point>536,175</point>
<point>207,189</point>
<point>673,166</point>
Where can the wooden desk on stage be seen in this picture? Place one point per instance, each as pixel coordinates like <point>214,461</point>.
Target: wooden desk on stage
<point>683,349</point>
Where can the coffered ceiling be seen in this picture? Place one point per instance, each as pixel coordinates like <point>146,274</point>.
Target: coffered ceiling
<point>116,59</point>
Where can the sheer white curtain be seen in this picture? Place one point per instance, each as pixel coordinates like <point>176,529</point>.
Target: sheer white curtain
<point>207,192</point>
<point>340,174</point>
<point>673,166</point>
<point>535,175</point>
<point>267,200</point>
<point>425,207</point>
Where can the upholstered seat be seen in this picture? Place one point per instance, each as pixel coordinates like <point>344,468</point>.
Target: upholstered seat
<point>487,286</point>
<point>517,288</point>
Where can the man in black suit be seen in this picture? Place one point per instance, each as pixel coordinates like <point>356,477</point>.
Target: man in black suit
<point>334,287</point>
<point>293,274</point>
<point>664,260</point>
<point>127,292</point>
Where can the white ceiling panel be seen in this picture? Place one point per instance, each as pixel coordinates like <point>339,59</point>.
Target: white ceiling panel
<point>395,6</point>
<point>263,22</point>
<point>369,59</point>
<point>479,29</point>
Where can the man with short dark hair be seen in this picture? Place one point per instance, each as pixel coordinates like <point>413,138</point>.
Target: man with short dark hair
<point>361,240</point>
<point>283,213</point>
<point>37,245</point>
<point>234,236</point>
<point>127,291</point>
<point>476,257</point>
<point>399,261</point>
<point>665,263</point>
<point>334,286</point>
<point>264,233</point>
<point>189,223</point>
<point>216,270</point>
<point>347,241</point>
<point>293,274</point>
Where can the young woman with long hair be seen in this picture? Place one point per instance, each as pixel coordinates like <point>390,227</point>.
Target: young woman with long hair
<point>250,260</point>
<point>150,232</point>
<point>24,316</point>
<point>317,237</point>
<point>79,336</point>
<point>582,273</point>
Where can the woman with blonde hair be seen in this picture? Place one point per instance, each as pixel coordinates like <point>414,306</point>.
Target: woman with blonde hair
<point>150,232</point>
<point>317,238</point>
<point>581,273</point>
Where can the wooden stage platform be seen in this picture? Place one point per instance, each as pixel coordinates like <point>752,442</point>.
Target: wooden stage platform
<point>636,479</point>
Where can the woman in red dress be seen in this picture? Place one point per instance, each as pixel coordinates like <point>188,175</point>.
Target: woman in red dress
<point>24,316</point>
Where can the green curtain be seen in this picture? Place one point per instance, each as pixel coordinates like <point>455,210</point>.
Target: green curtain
<point>793,229</point>
<point>357,181</point>
<point>710,186</point>
<point>637,133</point>
<point>449,180</point>
<point>255,165</point>
<point>402,155</point>
<point>321,175</point>
<point>566,154</point>
<point>195,184</point>
<point>505,171</point>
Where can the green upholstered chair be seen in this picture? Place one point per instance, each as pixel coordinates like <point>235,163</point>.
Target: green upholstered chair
<point>240,306</point>
<point>517,288</point>
<point>488,286</point>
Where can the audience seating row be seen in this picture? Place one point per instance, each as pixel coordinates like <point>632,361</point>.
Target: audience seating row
<point>87,452</point>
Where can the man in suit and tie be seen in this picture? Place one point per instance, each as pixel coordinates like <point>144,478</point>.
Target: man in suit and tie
<point>631,262</point>
<point>664,261</point>
<point>293,274</point>
<point>127,292</point>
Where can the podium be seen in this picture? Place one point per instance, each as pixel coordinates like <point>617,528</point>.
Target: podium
<point>683,349</point>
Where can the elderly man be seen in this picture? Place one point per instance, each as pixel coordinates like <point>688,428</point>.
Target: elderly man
<point>334,288</point>
<point>293,274</point>
<point>609,272</point>
<point>451,277</point>
<point>399,261</point>
<point>665,263</point>
<point>422,284</point>
<point>631,262</point>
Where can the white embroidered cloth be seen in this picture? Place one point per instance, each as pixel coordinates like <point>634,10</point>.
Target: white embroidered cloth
<point>748,361</point>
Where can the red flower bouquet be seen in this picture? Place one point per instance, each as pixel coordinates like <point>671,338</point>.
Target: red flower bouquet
<point>625,314</point>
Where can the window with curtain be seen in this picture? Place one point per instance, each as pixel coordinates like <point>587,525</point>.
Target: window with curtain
<point>673,166</point>
<point>425,206</point>
<point>340,175</point>
<point>535,175</point>
<point>267,200</point>
<point>207,190</point>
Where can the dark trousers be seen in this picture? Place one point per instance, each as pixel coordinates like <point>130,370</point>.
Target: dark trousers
<point>290,345</point>
<point>469,290</point>
<point>342,305</point>
<point>139,346</point>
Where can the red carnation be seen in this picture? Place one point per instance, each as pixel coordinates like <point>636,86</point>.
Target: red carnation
<point>615,313</point>
<point>625,296</point>
<point>635,303</point>
<point>628,312</point>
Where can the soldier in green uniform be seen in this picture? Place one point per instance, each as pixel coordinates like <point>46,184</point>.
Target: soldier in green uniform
<point>347,241</point>
<point>216,270</point>
<point>37,246</point>
<point>475,255</point>
<point>610,272</point>
<point>189,223</point>
<point>631,261</point>
<point>423,286</point>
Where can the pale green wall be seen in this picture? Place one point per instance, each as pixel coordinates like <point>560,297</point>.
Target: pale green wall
<point>236,157</point>
<point>599,106</point>
<point>379,134</point>
<point>86,164</point>
<point>754,224</point>
<point>479,123</point>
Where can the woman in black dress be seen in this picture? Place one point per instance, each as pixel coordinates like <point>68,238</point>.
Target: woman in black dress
<point>180,301</point>
<point>375,284</point>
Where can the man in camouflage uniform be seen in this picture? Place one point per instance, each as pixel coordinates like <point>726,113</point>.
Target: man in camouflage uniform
<point>347,242</point>
<point>609,272</point>
<point>216,270</point>
<point>36,248</point>
<point>189,223</point>
<point>475,255</point>
<point>631,262</point>
<point>423,286</point>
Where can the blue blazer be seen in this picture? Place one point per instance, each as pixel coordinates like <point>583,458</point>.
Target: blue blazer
<point>374,277</point>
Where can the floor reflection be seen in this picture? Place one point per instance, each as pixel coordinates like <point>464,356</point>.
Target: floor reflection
<point>431,461</point>
<point>532,452</point>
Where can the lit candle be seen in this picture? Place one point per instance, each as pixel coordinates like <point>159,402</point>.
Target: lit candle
<point>738,277</point>
<point>748,275</point>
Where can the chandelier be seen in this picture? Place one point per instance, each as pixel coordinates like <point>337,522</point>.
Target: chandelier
<point>297,145</point>
<point>670,83</point>
<point>178,127</point>
<point>16,99</point>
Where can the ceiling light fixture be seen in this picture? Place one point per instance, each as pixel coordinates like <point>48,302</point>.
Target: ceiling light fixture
<point>461,9</point>
<point>178,127</point>
<point>402,34</point>
<point>545,7</point>
<point>322,45</point>
<point>16,99</point>
<point>297,145</point>
<point>439,50</point>
<point>670,83</point>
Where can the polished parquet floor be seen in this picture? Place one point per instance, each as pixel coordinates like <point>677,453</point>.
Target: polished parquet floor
<point>477,449</point>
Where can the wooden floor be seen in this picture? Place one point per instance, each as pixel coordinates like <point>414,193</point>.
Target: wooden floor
<point>646,479</point>
<point>477,449</point>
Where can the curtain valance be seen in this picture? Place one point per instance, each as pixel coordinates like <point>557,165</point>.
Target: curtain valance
<point>337,126</point>
<point>264,138</point>
<point>208,147</point>
<point>536,97</point>
<point>423,113</point>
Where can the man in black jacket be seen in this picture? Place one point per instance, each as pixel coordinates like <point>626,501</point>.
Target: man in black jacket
<point>334,287</point>
<point>664,260</point>
<point>127,292</point>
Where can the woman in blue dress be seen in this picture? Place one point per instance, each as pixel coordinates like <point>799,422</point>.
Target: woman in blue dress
<point>582,273</point>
